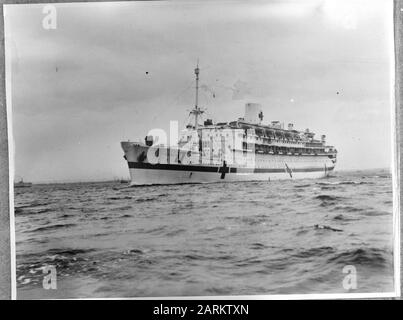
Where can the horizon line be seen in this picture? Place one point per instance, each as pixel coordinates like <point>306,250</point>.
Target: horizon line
<point>109,180</point>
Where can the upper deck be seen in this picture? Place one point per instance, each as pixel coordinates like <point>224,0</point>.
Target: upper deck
<point>271,139</point>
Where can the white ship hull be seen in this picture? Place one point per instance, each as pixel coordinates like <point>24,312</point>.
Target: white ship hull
<point>155,176</point>
<point>267,168</point>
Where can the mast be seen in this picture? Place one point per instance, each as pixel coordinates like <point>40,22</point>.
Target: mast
<point>197,71</point>
<point>197,111</point>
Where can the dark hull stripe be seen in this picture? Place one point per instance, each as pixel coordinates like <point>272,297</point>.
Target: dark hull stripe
<point>198,168</point>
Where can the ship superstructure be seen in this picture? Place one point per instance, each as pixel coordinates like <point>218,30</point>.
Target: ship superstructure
<point>242,150</point>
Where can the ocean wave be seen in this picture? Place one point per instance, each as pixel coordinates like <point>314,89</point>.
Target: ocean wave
<point>326,197</point>
<point>370,257</point>
<point>27,210</point>
<point>325,227</point>
<point>156,230</point>
<point>381,176</point>
<point>347,208</point>
<point>65,216</point>
<point>44,210</point>
<point>126,216</point>
<point>375,213</point>
<point>341,217</point>
<point>146,199</point>
<point>120,198</point>
<point>133,252</point>
<point>68,251</point>
<point>18,211</point>
<point>252,220</point>
<point>196,256</point>
<point>258,246</point>
<point>54,227</point>
<point>175,232</point>
<point>67,261</point>
<point>328,187</point>
<point>33,204</point>
<point>122,208</point>
<point>302,231</point>
<point>354,182</point>
<point>314,252</point>
<point>250,261</point>
<point>327,183</point>
<point>302,185</point>
<point>89,210</point>
<point>337,183</point>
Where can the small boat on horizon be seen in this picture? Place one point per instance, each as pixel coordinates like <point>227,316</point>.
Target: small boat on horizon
<point>22,184</point>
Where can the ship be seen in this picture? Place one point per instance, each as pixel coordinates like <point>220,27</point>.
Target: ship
<point>22,184</point>
<point>242,150</point>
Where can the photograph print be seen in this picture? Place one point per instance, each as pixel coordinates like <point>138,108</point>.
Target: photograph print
<point>202,148</point>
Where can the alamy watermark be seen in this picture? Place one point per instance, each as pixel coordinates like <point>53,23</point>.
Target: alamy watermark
<point>207,146</point>
<point>350,280</point>
<point>50,19</point>
<point>50,279</point>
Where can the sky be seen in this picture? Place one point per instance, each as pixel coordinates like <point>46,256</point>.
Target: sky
<point>110,72</point>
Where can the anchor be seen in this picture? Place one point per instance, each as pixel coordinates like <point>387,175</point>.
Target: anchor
<point>287,169</point>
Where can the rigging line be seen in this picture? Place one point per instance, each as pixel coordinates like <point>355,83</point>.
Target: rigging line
<point>186,119</point>
<point>174,100</point>
<point>208,114</point>
<point>225,87</point>
<point>205,98</point>
<point>208,103</point>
